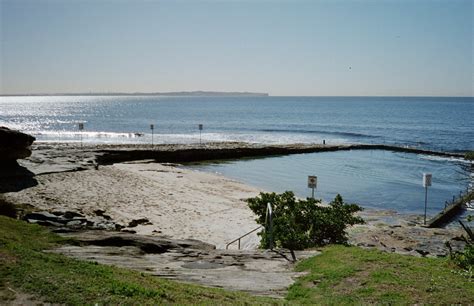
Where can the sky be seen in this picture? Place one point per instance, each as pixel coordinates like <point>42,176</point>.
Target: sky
<point>282,47</point>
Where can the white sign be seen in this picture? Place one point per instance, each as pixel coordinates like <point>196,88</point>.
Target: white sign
<point>81,126</point>
<point>312,181</point>
<point>427,179</point>
<point>200,127</point>
<point>152,126</point>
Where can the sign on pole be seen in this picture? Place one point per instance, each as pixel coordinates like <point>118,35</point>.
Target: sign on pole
<point>426,183</point>
<point>312,183</point>
<point>427,179</point>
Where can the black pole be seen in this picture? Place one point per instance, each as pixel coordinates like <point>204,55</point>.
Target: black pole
<point>426,200</point>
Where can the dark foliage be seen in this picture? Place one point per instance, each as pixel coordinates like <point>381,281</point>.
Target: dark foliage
<point>300,224</point>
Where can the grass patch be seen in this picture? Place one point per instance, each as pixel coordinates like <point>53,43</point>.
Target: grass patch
<point>348,275</point>
<point>340,275</point>
<point>59,279</point>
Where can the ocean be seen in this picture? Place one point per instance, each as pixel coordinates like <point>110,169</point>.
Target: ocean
<point>431,123</point>
<point>376,179</point>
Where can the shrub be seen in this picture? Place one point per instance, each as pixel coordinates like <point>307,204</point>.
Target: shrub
<point>465,259</point>
<point>300,224</point>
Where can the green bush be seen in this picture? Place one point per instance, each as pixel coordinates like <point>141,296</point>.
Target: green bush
<point>7,209</point>
<point>300,224</point>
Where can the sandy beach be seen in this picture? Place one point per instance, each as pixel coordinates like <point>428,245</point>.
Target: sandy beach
<point>179,203</point>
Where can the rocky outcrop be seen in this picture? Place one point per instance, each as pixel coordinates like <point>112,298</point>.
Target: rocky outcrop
<point>66,221</point>
<point>259,272</point>
<point>14,145</point>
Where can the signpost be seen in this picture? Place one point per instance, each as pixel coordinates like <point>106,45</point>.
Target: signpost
<point>81,128</point>
<point>312,183</point>
<point>200,130</point>
<point>152,127</point>
<point>426,183</point>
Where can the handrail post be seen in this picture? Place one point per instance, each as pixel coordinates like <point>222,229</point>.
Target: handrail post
<point>269,220</point>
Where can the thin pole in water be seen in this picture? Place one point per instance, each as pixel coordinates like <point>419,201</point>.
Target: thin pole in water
<point>81,127</point>
<point>200,126</point>
<point>152,127</point>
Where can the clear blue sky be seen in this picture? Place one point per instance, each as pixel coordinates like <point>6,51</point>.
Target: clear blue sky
<point>418,47</point>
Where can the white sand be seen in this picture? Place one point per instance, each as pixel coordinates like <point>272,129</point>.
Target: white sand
<point>180,203</point>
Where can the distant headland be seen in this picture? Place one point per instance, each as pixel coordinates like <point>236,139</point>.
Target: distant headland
<point>173,93</point>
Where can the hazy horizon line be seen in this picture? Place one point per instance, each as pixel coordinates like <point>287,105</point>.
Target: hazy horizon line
<point>211,93</point>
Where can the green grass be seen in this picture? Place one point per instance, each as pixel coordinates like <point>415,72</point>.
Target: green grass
<point>351,275</point>
<point>24,267</point>
<point>340,275</point>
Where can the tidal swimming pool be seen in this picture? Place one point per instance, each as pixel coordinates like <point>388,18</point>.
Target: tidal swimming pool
<point>374,178</point>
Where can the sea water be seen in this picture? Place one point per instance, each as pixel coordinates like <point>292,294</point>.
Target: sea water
<point>377,179</point>
<point>431,123</point>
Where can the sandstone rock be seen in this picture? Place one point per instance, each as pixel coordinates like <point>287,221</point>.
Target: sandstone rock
<point>260,272</point>
<point>14,145</point>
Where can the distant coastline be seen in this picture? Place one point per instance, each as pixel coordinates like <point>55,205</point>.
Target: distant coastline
<point>172,94</point>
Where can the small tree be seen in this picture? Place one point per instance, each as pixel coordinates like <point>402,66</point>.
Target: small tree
<point>300,224</point>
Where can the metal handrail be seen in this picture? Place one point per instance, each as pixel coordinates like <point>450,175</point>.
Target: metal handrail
<point>268,227</point>
<point>238,239</point>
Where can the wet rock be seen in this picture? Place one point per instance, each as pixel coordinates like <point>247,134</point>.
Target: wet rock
<point>72,215</point>
<point>136,222</point>
<point>75,223</point>
<point>37,217</point>
<point>422,252</point>
<point>101,213</point>
<point>118,227</point>
<point>46,223</point>
<point>60,230</point>
<point>71,219</point>
<point>103,225</point>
